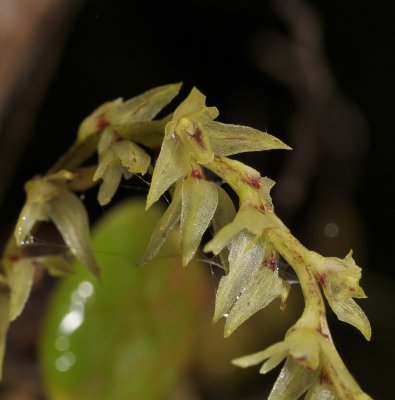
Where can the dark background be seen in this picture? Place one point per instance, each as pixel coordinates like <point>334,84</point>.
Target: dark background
<point>319,75</point>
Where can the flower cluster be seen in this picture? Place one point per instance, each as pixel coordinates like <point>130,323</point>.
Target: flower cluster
<point>250,239</point>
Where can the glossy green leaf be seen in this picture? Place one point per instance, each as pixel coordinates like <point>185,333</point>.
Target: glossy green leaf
<point>129,336</point>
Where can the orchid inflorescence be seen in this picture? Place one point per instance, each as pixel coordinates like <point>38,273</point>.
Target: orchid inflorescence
<point>249,241</point>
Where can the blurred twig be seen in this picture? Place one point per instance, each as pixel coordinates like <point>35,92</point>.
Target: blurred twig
<point>32,33</point>
<point>327,131</point>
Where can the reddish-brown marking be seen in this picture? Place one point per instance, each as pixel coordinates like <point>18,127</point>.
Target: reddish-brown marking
<point>324,379</point>
<point>253,181</point>
<point>14,258</point>
<point>262,207</point>
<point>116,136</point>
<point>196,173</point>
<point>141,106</point>
<point>198,137</point>
<point>273,263</point>
<point>102,122</point>
<point>324,335</point>
<point>322,278</point>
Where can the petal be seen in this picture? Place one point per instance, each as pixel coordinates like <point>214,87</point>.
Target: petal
<point>227,139</point>
<point>106,158</point>
<point>293,381</point>
<point>194,103</point>
<point>244,257</point>
<point>105,141</point>
<point>111,179</point>
<point>39,193</point>
<point>273,362</point>
<point>321,392</point>
<point>195,141</point>
<point>145,106</point>
<point>261,288</point>
<point>199,202</point>
<point>168,221</point>
<point>172,164</point>
<point>349,311</point>
<point>20,280</point>
<point>132,157</point>
<point>71,219</point>
<point>30,214</point>
<point>277,349</point>
<point>97,120</point>
<point>248,218</point>
<point>227,233</point>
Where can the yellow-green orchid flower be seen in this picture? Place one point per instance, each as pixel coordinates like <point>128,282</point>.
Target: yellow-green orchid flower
<point>195,203</point>
<point>117,157</point>
<point>339,279</point>
<point>49,199</point>
<point>312,365</point>
<point>119,112</point>
<point>251,284</point>
<point>192,136</point>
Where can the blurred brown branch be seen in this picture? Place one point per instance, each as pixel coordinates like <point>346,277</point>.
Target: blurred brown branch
<point>32,33</point>
<point>327,131</point>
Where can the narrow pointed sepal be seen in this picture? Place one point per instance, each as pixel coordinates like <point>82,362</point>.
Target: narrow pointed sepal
<point>71,219</point>
<point>228,139</point>
<point>118,112</point>
<point>20,280</point>
<point>260,289</point>
<point>293,381</point>
<point>244,258</point>
<point>199,202</point>
<point>172,164</point>
<point>167,222</point>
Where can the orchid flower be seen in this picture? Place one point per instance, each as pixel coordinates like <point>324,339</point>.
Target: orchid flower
<point>195,203</point>
<point>117,157</point>
<point>192,136</point>
<point>49,199</point>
